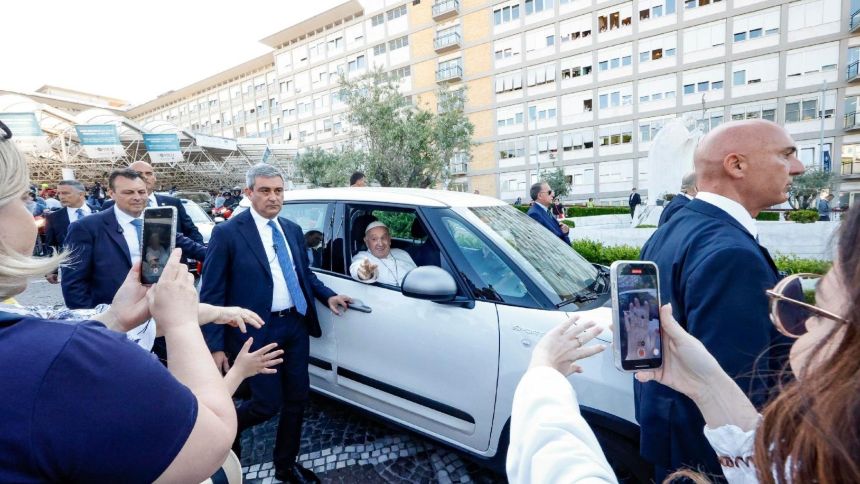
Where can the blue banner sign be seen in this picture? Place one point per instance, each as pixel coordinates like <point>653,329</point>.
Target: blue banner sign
<point>163,147</point>
<point>100,141</point>
<point>22,124</point>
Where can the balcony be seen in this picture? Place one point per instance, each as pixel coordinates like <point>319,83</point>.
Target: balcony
<point>458,168</point>
<point>449,74</point>
<point>445,9</point>
<point>852,74</point>
<point>852,121</point>
<point>854,22</point>
<point>447,42</point>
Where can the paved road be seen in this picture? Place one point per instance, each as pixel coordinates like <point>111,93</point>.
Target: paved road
<point>338,442</point>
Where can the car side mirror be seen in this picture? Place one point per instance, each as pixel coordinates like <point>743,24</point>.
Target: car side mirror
<point>430,283</point>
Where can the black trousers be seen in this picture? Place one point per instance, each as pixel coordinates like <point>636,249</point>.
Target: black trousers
<point>286,391</point>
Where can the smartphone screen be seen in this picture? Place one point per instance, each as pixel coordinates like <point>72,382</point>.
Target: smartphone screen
<point>636,306</point>
<point>159,238</point>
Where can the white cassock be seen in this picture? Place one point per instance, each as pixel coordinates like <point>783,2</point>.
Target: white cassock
<point>389,270</point>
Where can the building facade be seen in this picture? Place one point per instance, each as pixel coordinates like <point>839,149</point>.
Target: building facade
<point>582,85</point>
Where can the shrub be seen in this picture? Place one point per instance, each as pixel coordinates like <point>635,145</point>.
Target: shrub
<point>646,226</point>
<point>592,211</point>
<point>597,253</point>
<point>522,208</point>
<point>794,265</point>
<point>569,223</point>
<point>802,216</point>
<point>768,216</point>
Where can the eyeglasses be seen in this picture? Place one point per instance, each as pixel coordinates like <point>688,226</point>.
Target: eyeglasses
<point>548,192</point>
<point>790,306</point>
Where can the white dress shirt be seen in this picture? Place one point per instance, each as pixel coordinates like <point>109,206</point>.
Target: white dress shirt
<point>73,212</point>
<point>389,270</point>
<point>280,294</point>
<point>151,201</point>
<point>731,207</point>
<point>129,233</point>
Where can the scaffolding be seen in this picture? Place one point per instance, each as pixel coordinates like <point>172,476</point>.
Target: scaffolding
<point>208,163</point>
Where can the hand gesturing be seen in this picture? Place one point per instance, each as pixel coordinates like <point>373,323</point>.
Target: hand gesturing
<point>366,269</point>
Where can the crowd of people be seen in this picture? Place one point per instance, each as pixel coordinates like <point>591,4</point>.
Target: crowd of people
<point>758,384</point>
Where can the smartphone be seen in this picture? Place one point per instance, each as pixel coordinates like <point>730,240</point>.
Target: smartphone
<point>158,241</point>
<point>638,340</point>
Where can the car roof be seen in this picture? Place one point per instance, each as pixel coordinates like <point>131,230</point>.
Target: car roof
<point>409,196</point>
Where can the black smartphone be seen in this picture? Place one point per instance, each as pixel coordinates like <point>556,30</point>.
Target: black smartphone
<point>158,241</point>
<point>638,340</point>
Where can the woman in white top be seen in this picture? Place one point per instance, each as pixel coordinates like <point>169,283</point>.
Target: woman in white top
<point>809,433</point>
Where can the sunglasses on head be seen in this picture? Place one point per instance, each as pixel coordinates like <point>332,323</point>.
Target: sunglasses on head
<point>792,303</point>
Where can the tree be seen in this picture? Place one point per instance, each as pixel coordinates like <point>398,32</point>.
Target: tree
<point>327,168</point>
<point>557,182</point>
<point>403,145</point>
<point>807,187</point>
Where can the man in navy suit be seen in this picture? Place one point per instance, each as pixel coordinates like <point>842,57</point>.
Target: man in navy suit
<point>542,196</point>
<point>106,244</point>
<point>633,200</point>
<point>259,261</point>
<point>72,196</point>
<point>715,274</point>
<point>688,192</point>
<point>185,225</point>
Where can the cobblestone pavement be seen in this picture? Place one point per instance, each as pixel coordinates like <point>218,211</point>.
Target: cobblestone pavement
<point>341,444</point>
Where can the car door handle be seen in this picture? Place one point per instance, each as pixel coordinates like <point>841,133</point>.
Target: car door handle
<point>359,306</point>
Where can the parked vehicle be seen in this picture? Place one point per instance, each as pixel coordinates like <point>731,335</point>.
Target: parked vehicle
<point>200,198</point>
<point>202,221</point>
<point>442,354</point>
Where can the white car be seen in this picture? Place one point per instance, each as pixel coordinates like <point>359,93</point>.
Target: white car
<point>202,221</point>
<point>443,354</point>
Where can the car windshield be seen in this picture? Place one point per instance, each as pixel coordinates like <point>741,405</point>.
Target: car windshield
<point>561,267</point>
<point>196,213</point>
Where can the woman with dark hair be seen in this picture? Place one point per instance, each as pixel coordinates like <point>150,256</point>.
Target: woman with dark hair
<point>810,432</point>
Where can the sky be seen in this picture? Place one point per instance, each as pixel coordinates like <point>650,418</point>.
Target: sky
<point>136,50</point>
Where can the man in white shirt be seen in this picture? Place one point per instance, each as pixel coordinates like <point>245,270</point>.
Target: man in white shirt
<point>380,263</point>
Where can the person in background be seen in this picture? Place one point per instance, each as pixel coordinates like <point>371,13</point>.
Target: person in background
<point>150,424</point>
<point>313,242</point>
<point>810,432</point>
<point>357,179</point>
<point>72,196</point>
<point>824,207</point>
<point>589,203</point>
<point>540,211</point>
<point>97,195</point>
<point>518,201</point>
<point>679,201</point>
<point>35,205</point>
<point>633,200</point>
<point>709,257</point>
<point>220,199</point>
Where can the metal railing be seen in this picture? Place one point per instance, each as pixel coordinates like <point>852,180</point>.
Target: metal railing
<point>852,120</point>
<point>448,73</point>
<point>447,40</point>
<point>852,71</point>
<point>854,21</point>
<point>444,7</point>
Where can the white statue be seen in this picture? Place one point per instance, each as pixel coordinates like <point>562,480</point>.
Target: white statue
<point>671,157</point>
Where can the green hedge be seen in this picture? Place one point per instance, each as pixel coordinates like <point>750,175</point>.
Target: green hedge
<point>802,216</point>
<point>569,223</point>
<point>593,211</point>
<point>522,208</point>
<point>598,253</point>
<point>768,216</point>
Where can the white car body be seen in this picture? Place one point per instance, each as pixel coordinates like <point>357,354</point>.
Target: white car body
<point>446,370</point>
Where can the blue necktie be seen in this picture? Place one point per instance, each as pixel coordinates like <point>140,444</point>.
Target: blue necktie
<point>80,213</point>
<point>290,276</point>
<point>138,226</point>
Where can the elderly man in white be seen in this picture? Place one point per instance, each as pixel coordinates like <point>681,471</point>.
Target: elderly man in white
<point>380,263</point>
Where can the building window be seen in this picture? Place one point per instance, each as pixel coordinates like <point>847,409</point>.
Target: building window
<point>582,139</point>
<point>377,20</point>
<point>398,43</point>
<point>396,12</point>
<point>506,14</point>
<point>537,6</point>
<point>379,49</point>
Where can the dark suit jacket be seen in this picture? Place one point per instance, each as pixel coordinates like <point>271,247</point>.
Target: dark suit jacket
<point>636,200</point>
<point>184,224</point>
<point>677,203</point>
<point>57,225</point>
<point>237,273</point>
<point>101,260</point>
<point>539,213</point>
<point>715,275</point>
